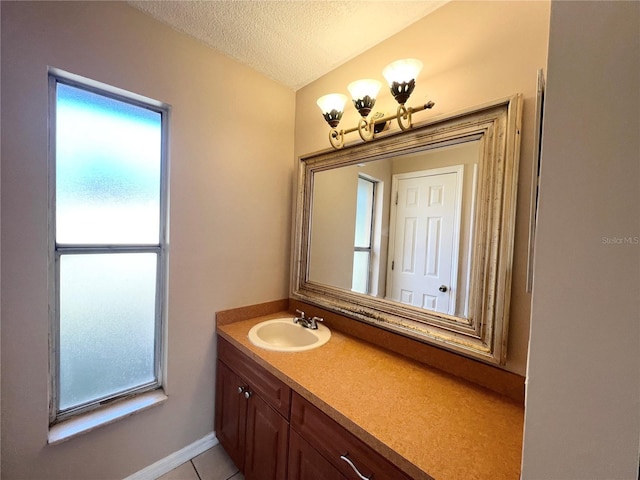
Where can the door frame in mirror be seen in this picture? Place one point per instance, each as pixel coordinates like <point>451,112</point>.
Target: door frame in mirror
<point>483,335</point>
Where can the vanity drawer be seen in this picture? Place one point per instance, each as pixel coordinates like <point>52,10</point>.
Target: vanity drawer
<point>275,392</point>
<point>339,446</point>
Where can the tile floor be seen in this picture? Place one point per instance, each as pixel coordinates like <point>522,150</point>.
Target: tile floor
<point>214,464</point>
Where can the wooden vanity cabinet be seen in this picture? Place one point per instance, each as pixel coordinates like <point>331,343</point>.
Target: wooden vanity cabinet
<point>252,412</point>
<point>337,446</point>
<point>253,409</point>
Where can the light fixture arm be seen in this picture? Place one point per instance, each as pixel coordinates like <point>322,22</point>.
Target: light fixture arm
<point>365,129</point>
<point>336,138</point>
<point>404,114</point>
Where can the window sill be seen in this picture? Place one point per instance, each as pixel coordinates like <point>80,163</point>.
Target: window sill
<point>86,422</point>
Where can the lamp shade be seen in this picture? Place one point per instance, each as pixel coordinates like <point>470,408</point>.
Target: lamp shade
<point>332,107</point>
<point>364,93</point>
<point>402,70</point>
<point>363,88</point>
<point>401,76</point>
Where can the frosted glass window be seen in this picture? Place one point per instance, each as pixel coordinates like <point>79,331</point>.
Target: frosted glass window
<point>108,244</point>
<point>363,235</point>
<point>107,325</point>
<point>364,212</point>
<point>107,169</point>
<point>360,281</point>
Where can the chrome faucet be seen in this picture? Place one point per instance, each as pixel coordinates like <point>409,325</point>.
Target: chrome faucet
<point>306,322</point>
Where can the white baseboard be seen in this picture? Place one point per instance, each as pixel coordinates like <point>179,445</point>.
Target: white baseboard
<point>176,459</point>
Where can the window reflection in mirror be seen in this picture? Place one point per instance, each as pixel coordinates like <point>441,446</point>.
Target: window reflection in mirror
<point>400,228</point>
<point>363,243</point>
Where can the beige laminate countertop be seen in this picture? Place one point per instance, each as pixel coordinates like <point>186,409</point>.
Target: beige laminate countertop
<point>421,419</point>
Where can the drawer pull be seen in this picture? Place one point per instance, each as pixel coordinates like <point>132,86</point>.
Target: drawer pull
<point>346,458</point>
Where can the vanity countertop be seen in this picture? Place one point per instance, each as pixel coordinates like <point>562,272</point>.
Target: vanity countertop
<point>419,418</point>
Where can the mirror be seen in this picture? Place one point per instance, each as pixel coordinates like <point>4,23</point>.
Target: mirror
<point>413,232</point>
<point>399,228</point>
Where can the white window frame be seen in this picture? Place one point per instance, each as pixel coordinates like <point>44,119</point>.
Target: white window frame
<point>55,250</point>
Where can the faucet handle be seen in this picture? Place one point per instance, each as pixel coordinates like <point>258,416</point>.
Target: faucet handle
<point>313,323</point>
<point>301,318</point>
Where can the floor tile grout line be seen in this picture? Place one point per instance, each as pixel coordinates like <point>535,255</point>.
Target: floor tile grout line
<point>195,469</point>
<point>234,474</point>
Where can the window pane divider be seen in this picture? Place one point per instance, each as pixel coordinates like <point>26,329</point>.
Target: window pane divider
<point>89,249</point>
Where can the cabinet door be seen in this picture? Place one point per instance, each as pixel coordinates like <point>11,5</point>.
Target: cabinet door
<point>305,463</point>
<point>263,383</point>
<point>267,439</point>
<point>231,413</point>
<point>344,450</point>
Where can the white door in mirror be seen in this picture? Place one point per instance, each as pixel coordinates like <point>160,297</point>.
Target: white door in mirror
<point>423,250</point>
<point>282,335</point>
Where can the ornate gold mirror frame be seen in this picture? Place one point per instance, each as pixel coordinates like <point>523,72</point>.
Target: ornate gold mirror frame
<point>481,334</point>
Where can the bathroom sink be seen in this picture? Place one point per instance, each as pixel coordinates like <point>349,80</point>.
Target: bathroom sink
<point>282,335</point>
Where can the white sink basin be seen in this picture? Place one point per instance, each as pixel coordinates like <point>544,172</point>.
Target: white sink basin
<point>282,335</point>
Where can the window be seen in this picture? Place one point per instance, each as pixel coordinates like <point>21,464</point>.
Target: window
<point>108,244</point>
<point>362,257</point>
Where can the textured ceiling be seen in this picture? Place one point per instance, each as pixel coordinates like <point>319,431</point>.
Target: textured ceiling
<point>293,42</point>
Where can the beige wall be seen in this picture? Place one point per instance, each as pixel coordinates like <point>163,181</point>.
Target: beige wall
<point>473,52</point>
<point>583,381</point>
<point>229,219</point>
<point>333,227</point>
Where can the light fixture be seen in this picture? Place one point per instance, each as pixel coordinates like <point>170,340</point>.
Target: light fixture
<point>401,76</point>
<point>332,107</point>
<point>364,93</point>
